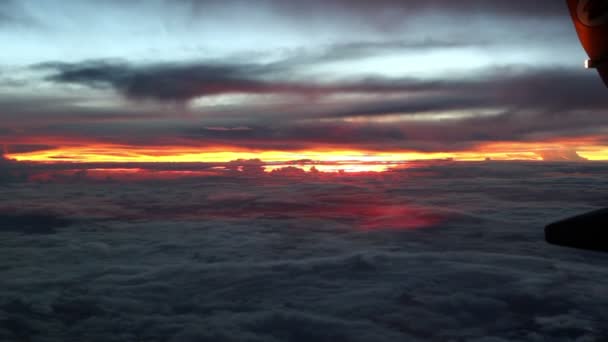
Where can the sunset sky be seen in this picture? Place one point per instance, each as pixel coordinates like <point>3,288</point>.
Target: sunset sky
<point>299,171</point>
<point>215,81</point>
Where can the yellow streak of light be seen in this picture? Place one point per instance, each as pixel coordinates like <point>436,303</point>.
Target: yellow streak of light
<point>107,153</point>
<point>350,168</point>
<point>127,154</point>
<point>596,153</point>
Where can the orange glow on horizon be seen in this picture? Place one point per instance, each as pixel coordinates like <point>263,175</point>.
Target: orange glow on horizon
<point>128,154</point>
<point>349,160</point>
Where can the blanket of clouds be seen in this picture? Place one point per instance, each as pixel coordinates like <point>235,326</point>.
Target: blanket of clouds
<point>446,252</point>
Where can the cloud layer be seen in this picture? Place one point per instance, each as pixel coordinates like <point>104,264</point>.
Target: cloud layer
<point>315,257</point>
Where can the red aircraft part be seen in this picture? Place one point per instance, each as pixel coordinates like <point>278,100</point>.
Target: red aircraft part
<point>591,22</point>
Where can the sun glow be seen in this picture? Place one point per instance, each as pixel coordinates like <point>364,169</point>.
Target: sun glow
<point>322,159</point>
<point>130,154</point>
<point>337,167</point>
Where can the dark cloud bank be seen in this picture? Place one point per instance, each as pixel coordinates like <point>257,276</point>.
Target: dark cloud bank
<point>525,104</point>
<point>184,82</point>
<point>450,252</point>
<point>513,86</point>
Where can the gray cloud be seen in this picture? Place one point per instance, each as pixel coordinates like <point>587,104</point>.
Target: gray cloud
<point>389,12</point>
<point>166,82</point>
<point>10,171</point>
<point>497,114</point>
<point>31,223</point>
<point>6,17</point>
<point>13,13</point>
<point>524,89</point>
<point>354,50</point>
<point>174,82</point>
<point>498,104</point>
<point>497,7</point>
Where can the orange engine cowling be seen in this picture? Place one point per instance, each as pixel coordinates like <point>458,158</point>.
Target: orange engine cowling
<point>591,21</point>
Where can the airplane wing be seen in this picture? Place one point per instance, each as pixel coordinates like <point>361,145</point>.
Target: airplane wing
<point>604,73</point>
<point>588,231</point>
<point>591,22</point>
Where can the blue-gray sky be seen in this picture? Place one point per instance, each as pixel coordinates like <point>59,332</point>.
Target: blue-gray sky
<point>425,76</point>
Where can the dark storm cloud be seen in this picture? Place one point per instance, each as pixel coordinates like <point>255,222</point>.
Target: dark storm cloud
<point>515,103</point>
<point>523,105</point>
<point>460,135</point>
<point>526,88</point>
<point>252,274</point>
<point>518,89</point>
<point>529,105</point>
<point>165,82</point>
<point>174,82</point>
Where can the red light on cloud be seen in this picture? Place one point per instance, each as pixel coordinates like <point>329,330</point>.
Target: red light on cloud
<point>371,212</point>
<point>385,216</point>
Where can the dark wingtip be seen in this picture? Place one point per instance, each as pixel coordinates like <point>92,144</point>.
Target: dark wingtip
<point>604,74</point>
<point>588,231</point>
